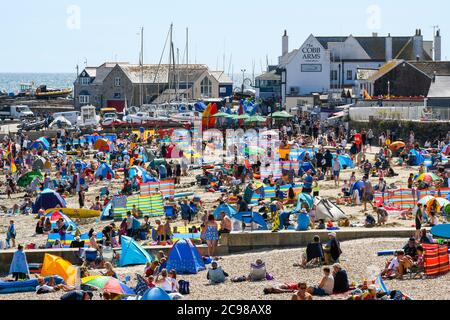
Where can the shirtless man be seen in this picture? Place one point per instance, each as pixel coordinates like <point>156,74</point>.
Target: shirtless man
<point>225,226</point>
<point>302,294</point>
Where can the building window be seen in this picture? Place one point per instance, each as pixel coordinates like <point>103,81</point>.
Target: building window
<point>117,82</point>
<point>117,95</point>
<point>84,99</point>
<point>349,75</point>
<point>206,87</point>
<point>334,75</point>
<point>85,81</point>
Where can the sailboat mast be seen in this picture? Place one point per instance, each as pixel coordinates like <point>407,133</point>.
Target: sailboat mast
<point>142,67</point>
<point>187,64</point>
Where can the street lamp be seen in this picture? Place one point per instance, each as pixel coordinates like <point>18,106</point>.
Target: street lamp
<point>243,80</point>
<point>389,89</point>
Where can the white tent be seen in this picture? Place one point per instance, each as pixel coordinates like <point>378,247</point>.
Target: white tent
<point>327,210</point>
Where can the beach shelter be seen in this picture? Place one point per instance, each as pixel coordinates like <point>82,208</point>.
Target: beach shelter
<point>48,199</point>
<point>54,216</point>
<point>327,210</point>
<point>41,143</point>
<point>57,266</point>
<point>132,253</point>
<point>107,213</point>
<point>142,174</point>
<point>418,158</point>
<point>345,162</point>
<point>101,145</point>
<point>251,217</point>
<point>304,198</point>
<point>103,170</point>
<point>155,294</point>
<point>38,163</point>
<point>185,258</point>
<point>229,211</point>
<point>305,167</point>
<point>27,178</point>
<point>359,185</point>
<point>80,165</point>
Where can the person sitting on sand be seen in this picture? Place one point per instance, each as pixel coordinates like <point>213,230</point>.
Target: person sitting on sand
<point>258,271</point>
<point>332,249</point>
<point>426,237</point>
<point>326,286</point>
<point>410,249</point>
<point>409,263</point>
<point>314,254</point>
<point>151,269</point>
<point>216,275</point>
<point>109,271</point>
<point>370,221</point>
<point>341,283</point>
<point>391,267</point>
<point>77,295</point>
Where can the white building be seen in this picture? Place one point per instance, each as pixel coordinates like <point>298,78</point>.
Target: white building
<point>324,64</point>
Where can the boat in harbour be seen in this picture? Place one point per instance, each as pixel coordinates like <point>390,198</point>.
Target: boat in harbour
<point>45,93</point>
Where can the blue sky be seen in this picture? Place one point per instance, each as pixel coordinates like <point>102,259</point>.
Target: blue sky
<point>47,36</point>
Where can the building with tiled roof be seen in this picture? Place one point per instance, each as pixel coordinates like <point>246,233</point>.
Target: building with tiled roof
<point>119,84</point>
<point>326,64</point>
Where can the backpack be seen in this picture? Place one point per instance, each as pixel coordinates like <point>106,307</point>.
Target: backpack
<point>184,287</point>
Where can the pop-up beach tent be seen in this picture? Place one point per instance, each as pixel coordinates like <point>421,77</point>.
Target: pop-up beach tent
<point>48,199</point>
<point>103,171</point>
<point>132,253</point>
<point>326,210</point>
<point>185,258</point>
<point>57,266</point>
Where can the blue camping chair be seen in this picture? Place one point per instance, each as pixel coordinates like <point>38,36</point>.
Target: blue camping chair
<point>169,211</point>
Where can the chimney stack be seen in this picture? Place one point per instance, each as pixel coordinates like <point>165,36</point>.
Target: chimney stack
<point>418,45</point>
<point>389,54</point>
<point>285,46</point>
<point>437,46</point>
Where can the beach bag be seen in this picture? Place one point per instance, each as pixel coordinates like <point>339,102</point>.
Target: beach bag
<point>184,287</point>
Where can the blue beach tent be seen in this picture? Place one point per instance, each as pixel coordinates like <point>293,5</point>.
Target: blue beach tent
<point>132,253</point>
<point>418,158</point>
<point>305,167</point>
<point>302,198</point>
<point>255,217</point>
<point>40,143</point>
<point>103,170</point>
<point>185,258</point>
<point>155,294</point>
<point>48,199</point>
<point>229,211</point>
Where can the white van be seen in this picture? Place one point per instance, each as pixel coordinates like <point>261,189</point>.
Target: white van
<point>15,112</point>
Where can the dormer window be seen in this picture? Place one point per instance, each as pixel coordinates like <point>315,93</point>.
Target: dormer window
<point>85,81</point>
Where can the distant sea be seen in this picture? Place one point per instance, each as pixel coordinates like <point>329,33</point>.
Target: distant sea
<point>10,82</point>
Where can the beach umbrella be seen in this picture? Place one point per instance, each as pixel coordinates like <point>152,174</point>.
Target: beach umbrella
<point>243,117</point>
<point>428,177</point>
<point>222,115</point>
<point>256,119</point>
<point>107,284</point>
<point>26,179</point>
<point>397,145</point>
<point>281,115</point>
